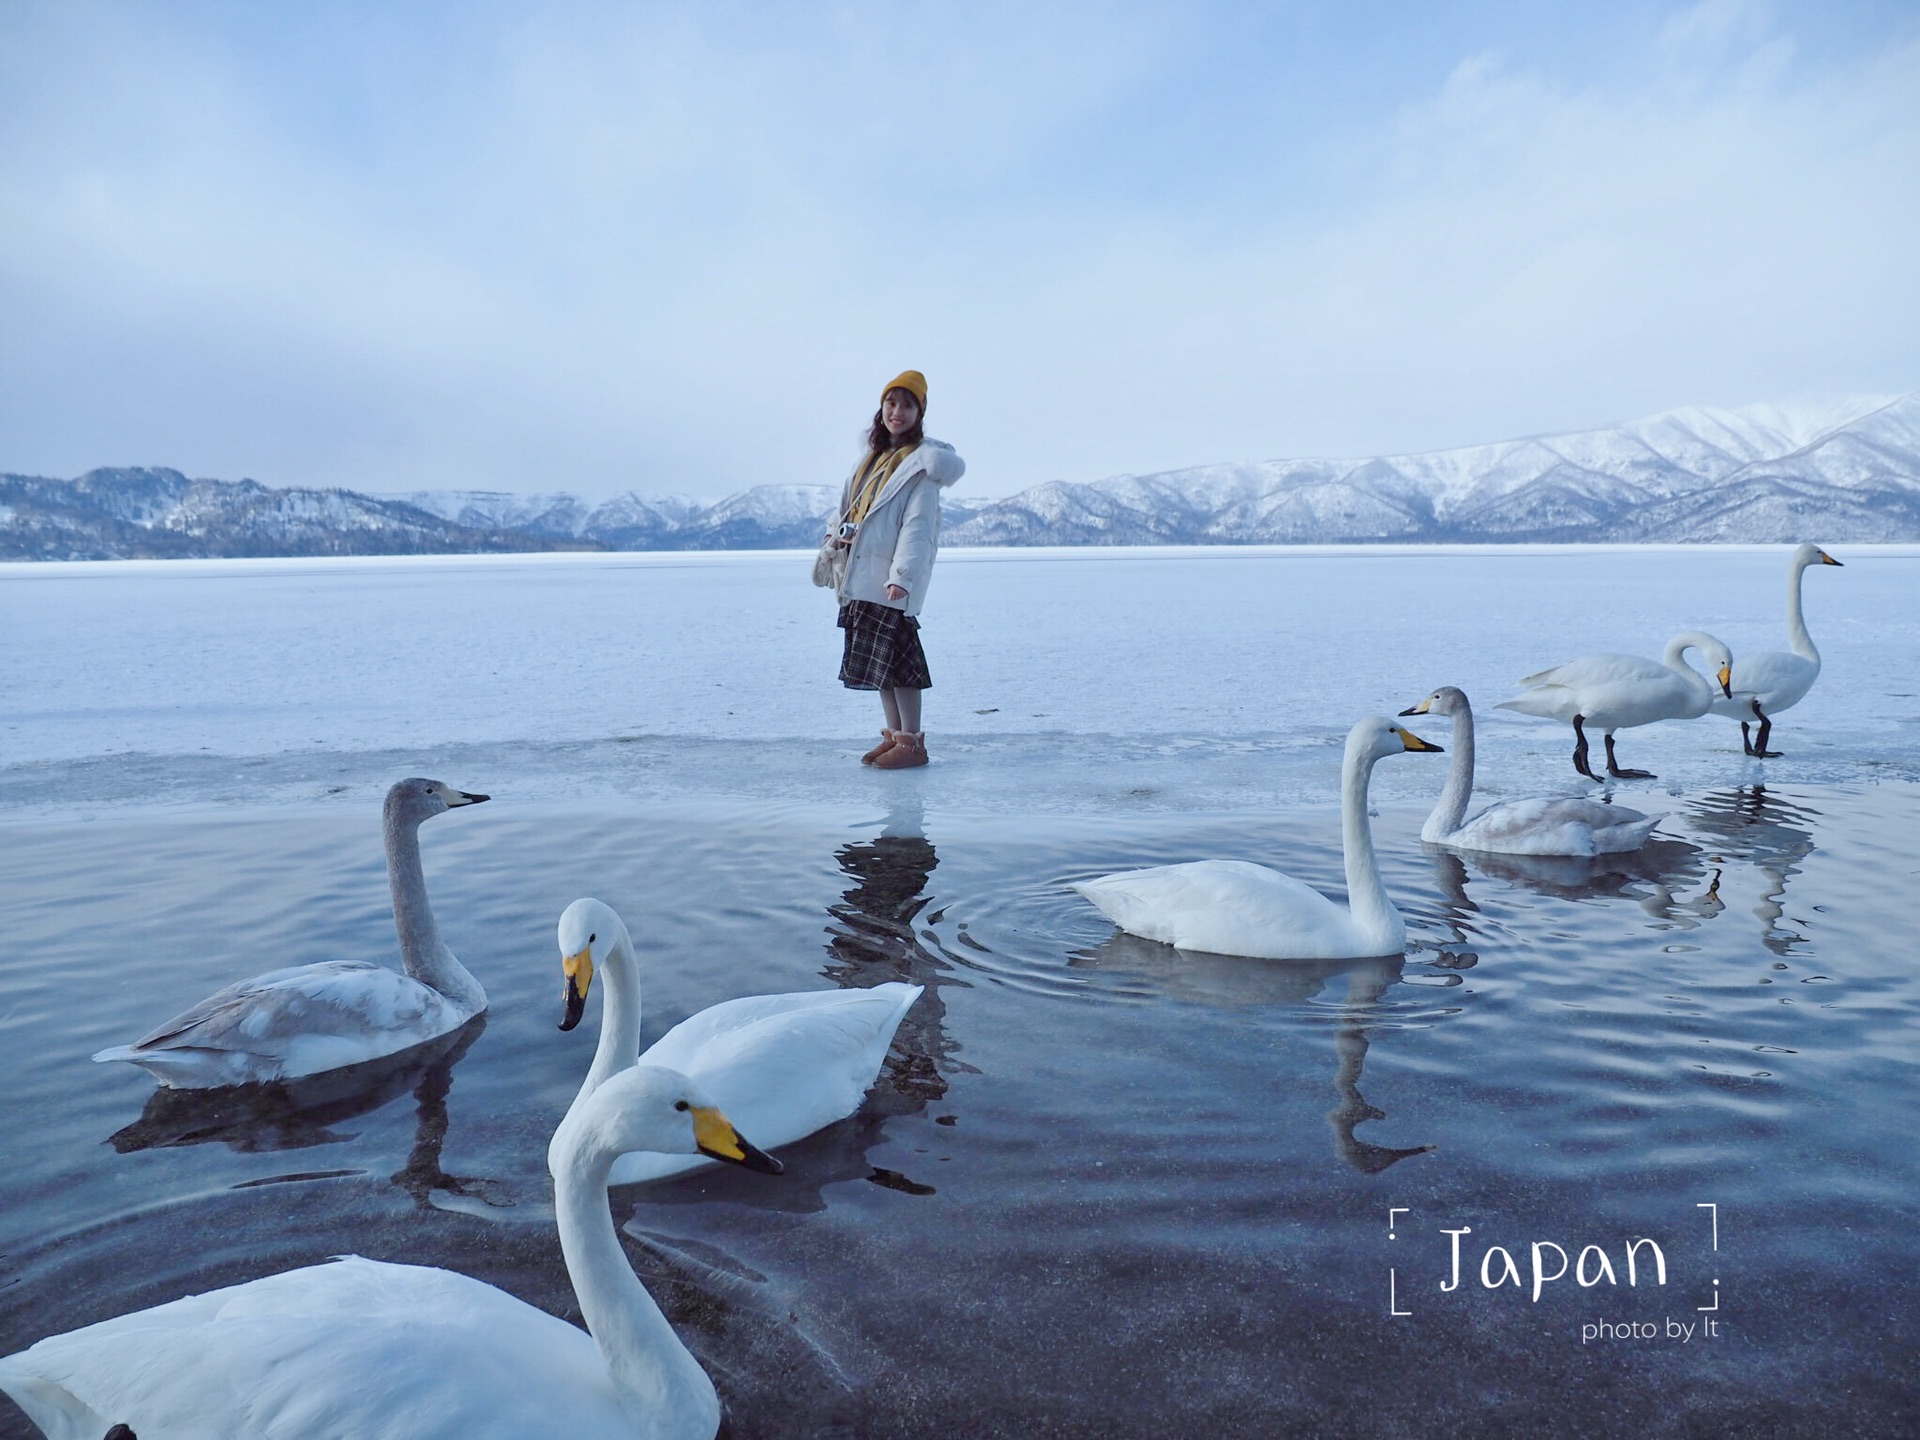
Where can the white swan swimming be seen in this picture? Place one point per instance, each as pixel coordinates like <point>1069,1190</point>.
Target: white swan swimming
<point>379,1351</point>
<point>785,1065</point>
<point>1766,683</point>
<point>1618,692</point>
<point>1233,907</point>
<point>1533,825</point>
<point>310,1018</point>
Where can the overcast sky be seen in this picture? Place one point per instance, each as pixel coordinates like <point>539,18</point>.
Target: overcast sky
<point>677,248</point>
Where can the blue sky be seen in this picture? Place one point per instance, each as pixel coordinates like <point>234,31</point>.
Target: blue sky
<point>677,248</point>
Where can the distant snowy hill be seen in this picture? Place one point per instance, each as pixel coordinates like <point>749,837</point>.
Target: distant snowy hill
<point>1844,470</point>
<point>161,514</point>
<point>1847,471</point>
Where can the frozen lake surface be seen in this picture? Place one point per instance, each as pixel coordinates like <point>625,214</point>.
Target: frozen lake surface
<point>1104,1188</point>
<point>1068,678</point>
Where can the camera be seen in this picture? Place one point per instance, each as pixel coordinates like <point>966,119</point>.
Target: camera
<point>848,529</point>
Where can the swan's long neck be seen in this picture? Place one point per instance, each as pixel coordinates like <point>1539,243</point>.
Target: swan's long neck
<point>1702,689</point>
<point>619,1044</point>
<point>663,1387</point>
<point>1366,896</point>
<point>422,953</point>
<point>1452,806</point>
<point>1797,637</point>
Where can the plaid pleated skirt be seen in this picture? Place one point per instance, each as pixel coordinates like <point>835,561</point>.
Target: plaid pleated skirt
<point>882,649</point>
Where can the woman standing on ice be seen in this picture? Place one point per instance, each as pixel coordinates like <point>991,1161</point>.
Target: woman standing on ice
<point>888,529</point>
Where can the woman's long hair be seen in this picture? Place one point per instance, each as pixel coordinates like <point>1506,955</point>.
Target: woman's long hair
<point>880,439</point>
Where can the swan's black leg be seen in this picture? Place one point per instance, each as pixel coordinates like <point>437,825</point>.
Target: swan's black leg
<point>1766,728</point>
<point>1613,766</point>
<point>1746,739</point>
<point>1580,750</point>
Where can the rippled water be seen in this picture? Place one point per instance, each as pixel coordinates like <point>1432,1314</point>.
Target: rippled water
<point>1104,1188</point>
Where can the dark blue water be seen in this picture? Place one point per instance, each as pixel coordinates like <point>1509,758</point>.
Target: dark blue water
<point>1103,1188</point>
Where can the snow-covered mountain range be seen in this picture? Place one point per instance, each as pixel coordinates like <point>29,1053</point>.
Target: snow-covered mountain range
<point>1836,471</point>
<point>1846,471</point>
<point>161,514</point>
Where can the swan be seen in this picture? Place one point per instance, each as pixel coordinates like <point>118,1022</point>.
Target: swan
<point>310,1018</point>
<point>787,1065</point>
<point>381,1351</point>
<point>1232,907</point>
<point>1774,680</point>
<point>1535,825</point>
<point>1617,692</point>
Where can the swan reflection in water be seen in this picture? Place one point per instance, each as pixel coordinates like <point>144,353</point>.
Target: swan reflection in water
<point>298,1114</point>
<point>1235,981</point>
<point>1661,876</point>
<point>1773,834</point>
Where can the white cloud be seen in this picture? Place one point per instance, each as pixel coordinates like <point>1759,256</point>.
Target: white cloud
<point>678,250</point>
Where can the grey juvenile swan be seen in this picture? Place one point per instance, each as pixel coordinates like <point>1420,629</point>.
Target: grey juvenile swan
<point>1532,825</point>
<point>309,1018</point>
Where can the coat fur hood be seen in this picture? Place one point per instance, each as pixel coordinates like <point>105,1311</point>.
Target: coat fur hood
<point>896,543</point>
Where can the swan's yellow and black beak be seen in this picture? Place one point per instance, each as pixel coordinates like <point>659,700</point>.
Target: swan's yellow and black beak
<point>1725,677</point>
<point>715,1135</point>
<point>1826,559</point>
<point>457,798</point>
<point>578,969</point>
<point>1414,742</point>
<point>1421,709</point>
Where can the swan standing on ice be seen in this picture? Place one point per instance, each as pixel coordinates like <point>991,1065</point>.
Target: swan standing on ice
<point>1535,825</point>
<point>310,1018</point>
<point>1774,680</point>
<point>379,1351</point>
<point>787,1065</point>
<point>1618,692</point>
<point>1233,907</point>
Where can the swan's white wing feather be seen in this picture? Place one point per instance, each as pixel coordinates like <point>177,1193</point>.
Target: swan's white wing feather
<point>1228,907</point>
<point>293,1022</point>
<point>1599,670</point>
<point>878,1008</point>
<point>1778,679</point>
<point>328,1350</point>
<point>779,1066</point>
<point>1553,825</point>
<point>1553,702</point>
<point>1612,692</point>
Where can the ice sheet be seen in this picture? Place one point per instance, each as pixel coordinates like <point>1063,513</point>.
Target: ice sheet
<point>1063,678</point>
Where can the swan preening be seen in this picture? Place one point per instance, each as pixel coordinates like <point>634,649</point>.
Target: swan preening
<point>784,1065</point>
<point>1766,683</point>
<point>1618,692</point>
<point>1535,825</point>
<point>310,1018</point>
<point>375,1350</point>
<point>1233,907</point>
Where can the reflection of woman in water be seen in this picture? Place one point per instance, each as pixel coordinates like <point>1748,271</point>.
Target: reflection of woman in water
<point>874,940</point>
<point>889,526</point>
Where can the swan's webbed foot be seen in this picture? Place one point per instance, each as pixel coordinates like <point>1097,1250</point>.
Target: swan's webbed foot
<point>1580,751</point>
<point>1759,749</point>
<point>1613,767</point>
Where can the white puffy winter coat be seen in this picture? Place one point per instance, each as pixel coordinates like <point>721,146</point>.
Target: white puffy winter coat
<point>896,543</point>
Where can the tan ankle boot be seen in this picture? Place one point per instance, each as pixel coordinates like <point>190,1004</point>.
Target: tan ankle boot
<point>886,744</point>
<point>909,749</point>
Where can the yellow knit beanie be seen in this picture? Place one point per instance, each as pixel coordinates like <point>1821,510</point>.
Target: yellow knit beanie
<point>911,381</point>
